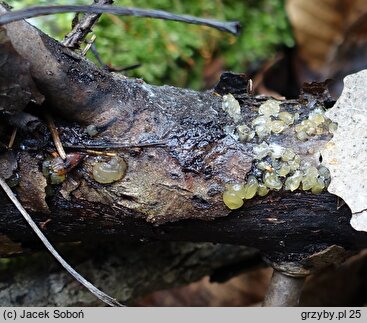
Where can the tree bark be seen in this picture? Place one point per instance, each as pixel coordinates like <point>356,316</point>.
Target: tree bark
<point>180,151</point>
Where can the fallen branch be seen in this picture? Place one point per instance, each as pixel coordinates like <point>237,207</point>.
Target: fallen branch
<point>180,151</point>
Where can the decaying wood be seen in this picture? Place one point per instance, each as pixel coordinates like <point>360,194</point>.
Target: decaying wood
<point>127,271</point>
<point>180,154</point>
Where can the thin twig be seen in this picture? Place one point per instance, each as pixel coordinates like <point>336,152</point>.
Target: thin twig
<point>231,26</point>
<point>74,38</point>
<point>113,145</point>
<point>98,58</point>
<point>89,45</point>
<point>100,153</point>
<point>55,136</point>
<point>12,138</point>
<point>94,290</point>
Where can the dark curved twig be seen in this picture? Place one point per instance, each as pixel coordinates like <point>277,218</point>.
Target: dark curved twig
<point>231,26</point>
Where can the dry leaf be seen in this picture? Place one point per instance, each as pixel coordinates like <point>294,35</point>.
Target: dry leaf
<point>320,26</point>
<point>345,155</point>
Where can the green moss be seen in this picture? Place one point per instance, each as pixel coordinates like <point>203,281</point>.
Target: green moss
<point>177,53</point>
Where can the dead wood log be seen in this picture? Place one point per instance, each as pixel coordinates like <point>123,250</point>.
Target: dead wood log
<point>127,271</point>
<point>180,151</point>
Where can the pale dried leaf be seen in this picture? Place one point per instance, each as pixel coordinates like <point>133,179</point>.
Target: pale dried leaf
<point>346,153</point>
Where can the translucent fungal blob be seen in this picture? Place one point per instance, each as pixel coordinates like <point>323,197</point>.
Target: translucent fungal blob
<point>286,117</point>
<point>261,121</point>
<point>276,150</point>
<point>245,133</point>
<point>324,174</point>
<point>318,187</point>
<point>277,126</point>
<point>261,150</point>
<point>56,179</point>
<point>91,130</point>
<point>238,189</point>
<point>284,170</point>
<point>311,170</point>
<point>333,127</point>
<point>262,190</point>
<point>109,172</point>
<point>317,117</point>
<point>262,131</point>
<point>288,155</point>
<point>272,181</point>
<point>295,163</point>
<point>251,187</point>
<point>293,182</point>
<point>270,108</point>
<point>308,182</point>
<point>232,200</point>
<point>264,165</point>
<point>302,135</point>
<point>232,107</point>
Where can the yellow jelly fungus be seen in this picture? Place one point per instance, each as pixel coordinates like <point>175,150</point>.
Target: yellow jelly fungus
<point>284,170</point>
<point>245,133</point>
<point>302,135</point>
<point>318,187</point>
<point>286,117</point>
<point>288,155</point>
<point>232,200</point>
<point>270,108</point>
<point>312,171</point>
<point>109,172</point>
<point>309,178</point>
<point>232,107</point>
<point>333,126</point>
<point>295,163</point>
<point>262,190</point>
<point>251,187</point>
<point>263,165</point>
<point>276,150</point>
<point>261,151</point>
<point>56,179</point>
<point>277,126</point>
<point>272,181</point>
<point>308,182</point>
<point>262,131</point>
<point>310,131</point>
<point>92,130</point>
<point>238,189</point>
<point>318,118</point>
<point>299,127</point>
<point>293,182</point>
<point>261,121</point>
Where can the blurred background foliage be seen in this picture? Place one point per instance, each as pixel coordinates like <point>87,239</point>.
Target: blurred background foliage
<point>176,53</point>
